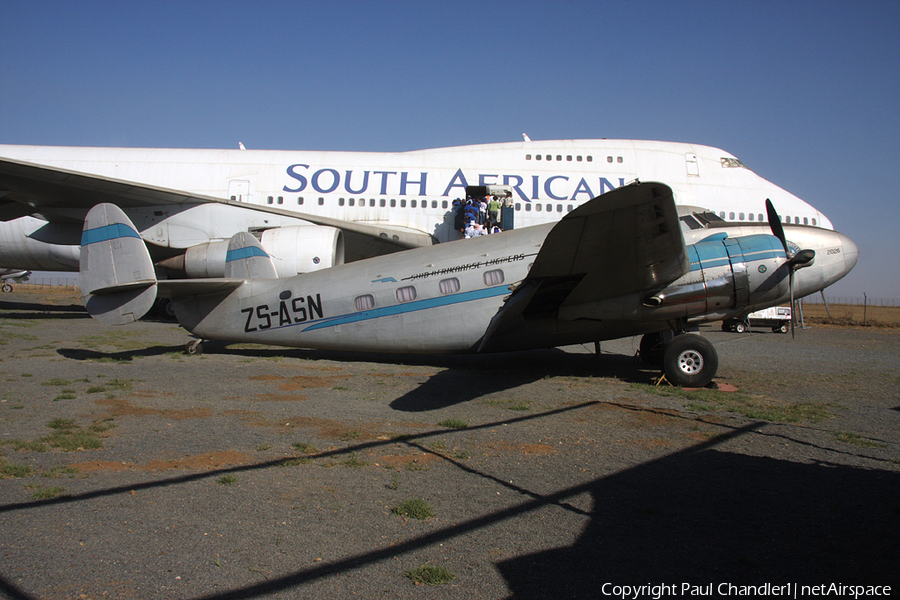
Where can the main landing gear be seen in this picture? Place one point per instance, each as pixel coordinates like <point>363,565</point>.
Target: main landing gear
<point>687,359</point>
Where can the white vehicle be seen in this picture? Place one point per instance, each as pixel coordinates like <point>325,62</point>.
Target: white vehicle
<point>776,317</point>
<point>313,210</point>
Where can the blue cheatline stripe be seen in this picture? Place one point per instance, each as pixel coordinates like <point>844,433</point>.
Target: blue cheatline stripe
<point>409,307</point>
<point>239,253</point>
<point>112,231</point>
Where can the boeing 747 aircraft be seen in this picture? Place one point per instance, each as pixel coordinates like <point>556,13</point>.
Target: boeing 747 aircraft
<point>313,210</point>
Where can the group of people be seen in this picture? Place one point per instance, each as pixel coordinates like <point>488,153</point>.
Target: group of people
<point>480,216</point>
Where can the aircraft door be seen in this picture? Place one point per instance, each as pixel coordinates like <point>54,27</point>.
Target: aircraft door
<point>239,190</point>
<point>692,165</point>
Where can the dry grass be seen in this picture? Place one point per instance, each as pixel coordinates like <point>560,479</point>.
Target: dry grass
<point>852,315</point>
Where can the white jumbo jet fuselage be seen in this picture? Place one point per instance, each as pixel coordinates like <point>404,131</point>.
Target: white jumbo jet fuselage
<point>406,194</point>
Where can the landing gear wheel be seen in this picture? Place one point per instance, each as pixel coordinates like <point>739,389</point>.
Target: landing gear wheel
<point>689,360</point>
<point>651,349</point>
<point>783,328</point>
<point>740,327</point>
<point>194,347</point>
<point>7,288</point>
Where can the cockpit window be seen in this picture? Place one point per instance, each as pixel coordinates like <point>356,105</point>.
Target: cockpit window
<point>732,163</point>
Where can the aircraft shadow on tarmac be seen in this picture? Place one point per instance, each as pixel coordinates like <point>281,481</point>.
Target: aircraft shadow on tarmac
<point>701,515</point>
<point>461,378</point>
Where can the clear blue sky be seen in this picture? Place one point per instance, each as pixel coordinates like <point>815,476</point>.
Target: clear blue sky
<point>805,93</point>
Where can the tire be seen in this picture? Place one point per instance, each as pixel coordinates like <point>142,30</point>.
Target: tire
<point>7,288</point>
<point>740,327</point>
<point>651,349</point>
<point>690,360</point>
<point>194,348</point>
<point>783,328</point>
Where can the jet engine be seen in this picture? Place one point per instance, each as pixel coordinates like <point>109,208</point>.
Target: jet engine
<point>294,250</point>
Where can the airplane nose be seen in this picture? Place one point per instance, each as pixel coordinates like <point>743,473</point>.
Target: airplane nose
<point>851,253</point>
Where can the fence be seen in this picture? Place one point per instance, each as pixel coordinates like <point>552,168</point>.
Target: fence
<point>852,300</point>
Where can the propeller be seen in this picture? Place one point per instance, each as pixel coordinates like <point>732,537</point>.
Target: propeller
<point>797,260</point>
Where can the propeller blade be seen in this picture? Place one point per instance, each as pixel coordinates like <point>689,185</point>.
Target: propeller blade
<point>775,225</point>
<point>791,285</point>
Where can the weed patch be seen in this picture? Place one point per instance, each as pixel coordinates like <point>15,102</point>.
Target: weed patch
<point>849,437</point>
<point>752,407</point>
<point>430,575</point>
<point>453,424</point>
<point>42,492</point>
<point>416,508</point>
<point>12,470</point>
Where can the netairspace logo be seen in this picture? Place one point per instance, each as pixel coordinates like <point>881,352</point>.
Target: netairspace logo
<point>787,590</point>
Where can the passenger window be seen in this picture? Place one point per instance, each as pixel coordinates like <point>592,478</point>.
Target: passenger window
<point>559,208</point>
<point>805,221</point>
<point>549,207</point>
<point>269,199</point>
<point>570,208</point>
<point>731,216</point>
<point>527,157</point>
<point>528,207</point>
<point>569,158</point>
<point>393,203</point>
<point>814,221</point>
<point>406,294</point>
<point>741,216</point>
<point>340,201</point>
<point>300,200</point>
<point>549,157</point>
<point>412,203</point>
<point>371,201</point>
<point>494,277</point>
<point>403,203</point>
<point>537,157</point>
<point>590,159</point>
<point>559,157</point>
<point>382,203</point>
<point>366,302</point>
<point>449,286</point>
<point>619,159</point>
<point>537,207</point>
<point>280,199</point>
<point>321,201</point>
<point>444,204</point>
<point>609,159</point>
<point>578,158</point>
<point>351,202</point>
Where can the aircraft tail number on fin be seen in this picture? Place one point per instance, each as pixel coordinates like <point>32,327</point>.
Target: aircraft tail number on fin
<point>116,275</point>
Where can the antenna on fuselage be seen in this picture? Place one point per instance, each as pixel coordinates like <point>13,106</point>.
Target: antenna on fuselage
<point>525,135</point>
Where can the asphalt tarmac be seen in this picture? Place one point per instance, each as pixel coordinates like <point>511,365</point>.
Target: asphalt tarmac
<point>130,470</point>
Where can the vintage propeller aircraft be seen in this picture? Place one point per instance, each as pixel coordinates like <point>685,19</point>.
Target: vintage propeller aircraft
<point>619,265</point>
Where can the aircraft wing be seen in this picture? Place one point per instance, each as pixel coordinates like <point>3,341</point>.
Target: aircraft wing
<point>60,195</point>
<point>623,242</point>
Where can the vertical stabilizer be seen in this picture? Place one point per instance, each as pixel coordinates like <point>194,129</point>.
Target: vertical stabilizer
<point>246,259</point>
<point>118,283</point>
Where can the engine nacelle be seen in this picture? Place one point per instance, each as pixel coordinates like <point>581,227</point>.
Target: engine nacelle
<point>294,250</point>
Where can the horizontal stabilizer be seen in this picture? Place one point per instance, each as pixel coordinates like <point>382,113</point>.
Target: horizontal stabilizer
<point>118,283</point>
<point>246,259</point>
